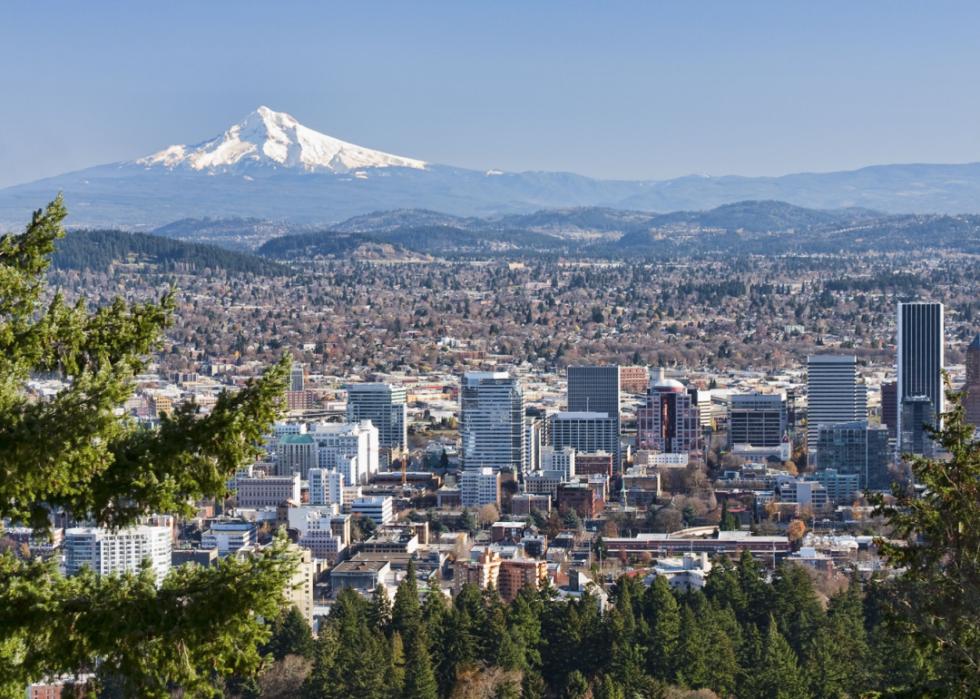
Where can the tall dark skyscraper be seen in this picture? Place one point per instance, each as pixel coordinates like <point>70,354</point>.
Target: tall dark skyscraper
<point>595,389</point>
<point>972,386</point>
<point>919,340</point>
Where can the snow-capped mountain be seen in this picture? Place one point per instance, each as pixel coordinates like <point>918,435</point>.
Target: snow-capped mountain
<point>271,167</point>
<point>266,138</point>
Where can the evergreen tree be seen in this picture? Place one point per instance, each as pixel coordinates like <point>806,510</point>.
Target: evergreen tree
<point>74,452</point>
<point>778,675</point>
<point>420,679</point>
<point>664,620</point>
<point>396,676</point>
<point>690,658</point>
<point>406,612</point>
<point>380,613</point>
<point>291,635</point>
<point>936,598</point>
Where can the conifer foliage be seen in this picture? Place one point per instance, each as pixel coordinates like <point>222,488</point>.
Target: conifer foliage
<point>74,452</point>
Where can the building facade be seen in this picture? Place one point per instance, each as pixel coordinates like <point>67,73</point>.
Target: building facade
<point>920,361</point>
<point>585,432</point>
<point>834,393</point>
<point>669,421</point>
<point>386,407</point>
<point>856,448</point>
<point>479,486</point>
<point>971,388</point>
<point>492,422</point>
<point>756,419</point>
<point>105,551</point>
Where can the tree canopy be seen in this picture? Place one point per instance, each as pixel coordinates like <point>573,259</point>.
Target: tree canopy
<point>75,453</point>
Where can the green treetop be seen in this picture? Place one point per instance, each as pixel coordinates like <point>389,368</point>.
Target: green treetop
<point>75,452</point>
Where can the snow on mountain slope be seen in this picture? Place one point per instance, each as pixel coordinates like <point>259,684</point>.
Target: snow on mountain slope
<point>277,140</point>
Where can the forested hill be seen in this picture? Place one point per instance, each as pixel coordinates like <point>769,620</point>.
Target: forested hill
<point>98,249</point>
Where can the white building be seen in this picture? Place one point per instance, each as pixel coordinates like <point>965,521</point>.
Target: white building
<point>378,509</point>
<point>351,448</point>
<point>123,551</point>
<point>326,487</point>
<point>563,460</point>
<point>492,421</point>
<point>229,538</point>
<point>480,486</point>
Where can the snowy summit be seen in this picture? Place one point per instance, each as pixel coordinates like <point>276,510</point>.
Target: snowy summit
<point>266,138</point>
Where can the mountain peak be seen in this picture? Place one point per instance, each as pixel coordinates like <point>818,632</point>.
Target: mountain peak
<point>266,138</point>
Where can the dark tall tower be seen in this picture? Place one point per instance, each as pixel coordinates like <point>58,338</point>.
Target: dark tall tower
<point>919,342</point>
<point>972,386</point>
<point>595,389</point>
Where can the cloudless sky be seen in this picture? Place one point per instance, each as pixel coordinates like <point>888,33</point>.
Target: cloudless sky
<point>608,89</point>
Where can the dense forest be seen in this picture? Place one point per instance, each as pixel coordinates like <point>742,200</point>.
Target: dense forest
<point>97,250</point>
<point>743,636</point>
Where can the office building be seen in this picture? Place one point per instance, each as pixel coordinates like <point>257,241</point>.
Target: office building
<point>920,345</point>
<point>544,482</point>
<point>842,488</point>
<point>122,551</point>
<point>595,389</point>
<point>379,509</point>
<point>563,460</point>
<point>668,422</point>
<point>351,448</point>
<point>834,393</point>
<point>584,432</point>
<point>297,377</point>
<point>479,486</point>
<point>634,379</point>
<point>295,453</point>
<point>492,422</point>
<point>855,448</point>
<point>971,388</point>
<point>889,407</point>
<point>916,415</point>
<point>267,491</point>
<point>756,420</point>
<point>385,406</point>
<point>229,538</point>
<point>326,487</point>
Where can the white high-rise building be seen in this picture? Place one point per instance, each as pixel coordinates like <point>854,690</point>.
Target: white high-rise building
<point>835,394</point>
<point>123,551</point>
<point>553,459</point>
<point>351,448</point>
<point>326,487</point>
<point>920,345</point>
<point>479,486</point>
<point>492,421</point>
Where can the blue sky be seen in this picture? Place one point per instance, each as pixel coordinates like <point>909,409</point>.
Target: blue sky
<point>617,89</point>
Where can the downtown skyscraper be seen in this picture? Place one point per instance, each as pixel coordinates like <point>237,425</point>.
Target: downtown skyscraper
<point>492,421</point>
<point>596,389</point>
<point>835,394</point>
<point>920,346</point>
<point>385,406</point>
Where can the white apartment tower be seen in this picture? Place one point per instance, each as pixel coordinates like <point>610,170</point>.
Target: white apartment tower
<point>122,551</point>
<point>492,421</point>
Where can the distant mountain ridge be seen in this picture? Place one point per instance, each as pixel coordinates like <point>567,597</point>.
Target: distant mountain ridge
<point>269,166</point>
<point>752,227</point>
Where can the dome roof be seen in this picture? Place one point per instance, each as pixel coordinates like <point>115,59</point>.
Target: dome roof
<point>669,386</point>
